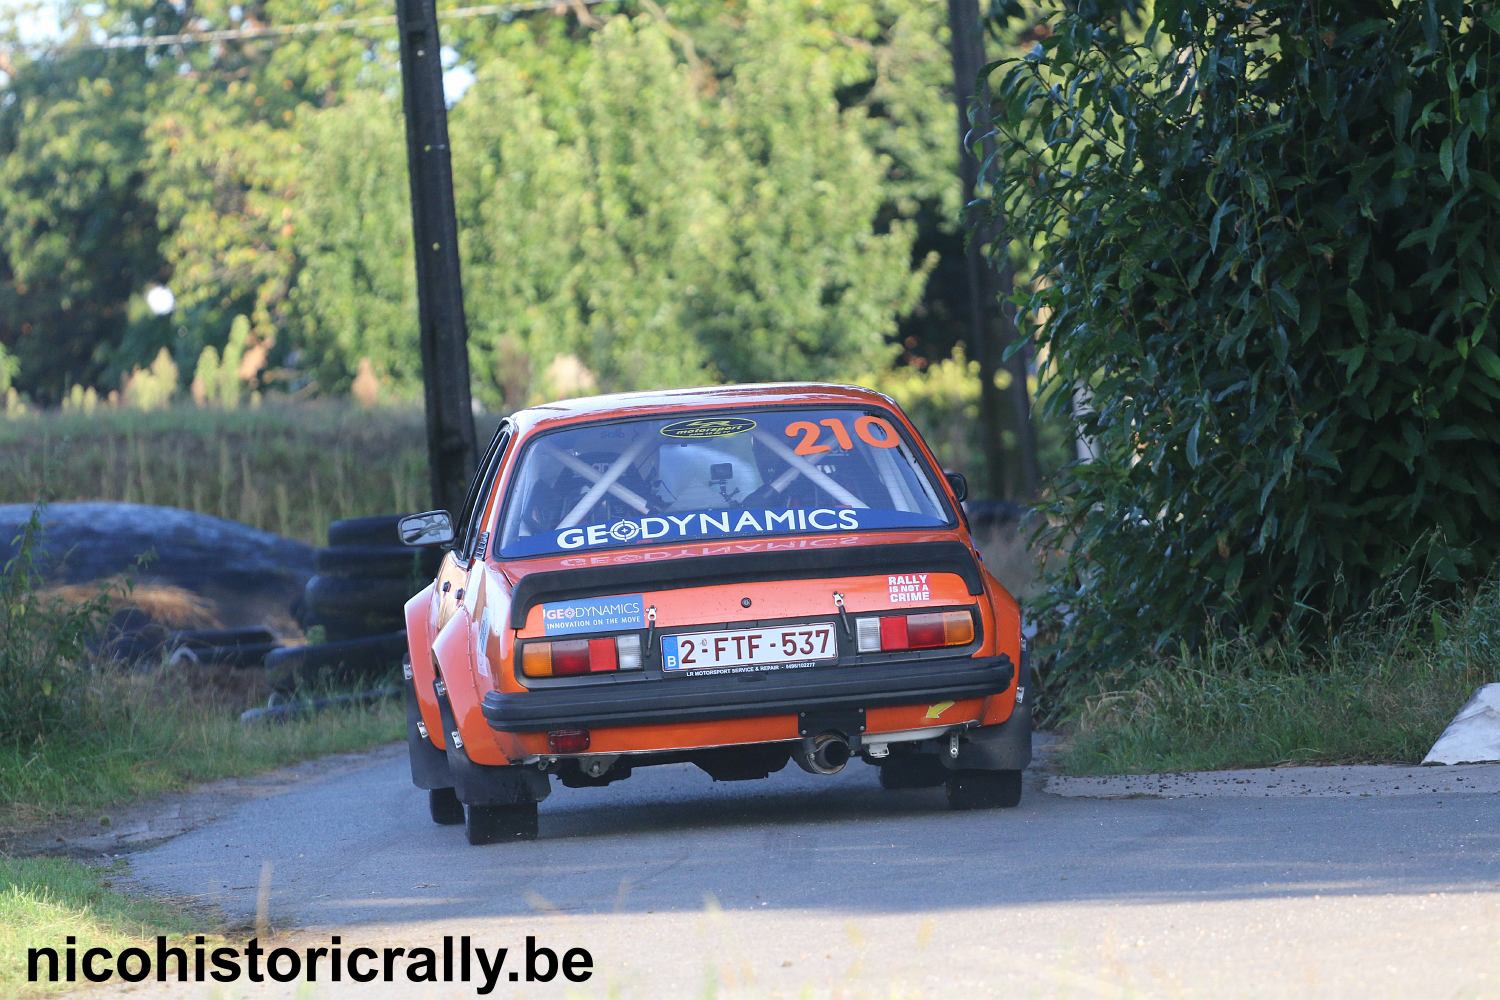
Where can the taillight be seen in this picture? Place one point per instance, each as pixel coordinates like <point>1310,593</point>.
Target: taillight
<point>568,740</point>
<point>575,657</point>
<point>928,630</point>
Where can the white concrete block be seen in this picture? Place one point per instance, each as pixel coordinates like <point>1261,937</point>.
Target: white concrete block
<point>1473,737</point>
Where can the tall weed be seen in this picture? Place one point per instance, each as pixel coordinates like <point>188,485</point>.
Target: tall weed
<point>1380,690</point>
<point>44,655</point>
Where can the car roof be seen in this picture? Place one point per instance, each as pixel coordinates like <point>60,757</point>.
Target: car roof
<point>645,404</point>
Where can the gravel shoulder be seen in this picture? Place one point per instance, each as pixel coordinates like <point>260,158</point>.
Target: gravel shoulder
<point>1359,780</point>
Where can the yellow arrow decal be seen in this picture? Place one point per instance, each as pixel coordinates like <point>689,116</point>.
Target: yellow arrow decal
<point>939,709</point>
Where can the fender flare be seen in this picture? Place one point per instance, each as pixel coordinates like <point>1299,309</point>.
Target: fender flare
<point>1005,612</point>
<point>419,646</point>
<point>453,656</point>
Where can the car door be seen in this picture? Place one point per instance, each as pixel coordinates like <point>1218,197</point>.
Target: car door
<point>467,553</point>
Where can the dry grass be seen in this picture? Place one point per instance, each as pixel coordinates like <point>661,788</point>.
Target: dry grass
<point>285,468</point>
<point>171,606</point>
<point>1010,558</point>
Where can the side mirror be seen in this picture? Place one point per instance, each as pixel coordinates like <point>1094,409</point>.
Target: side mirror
<point>427,530</point>
<point>959,485</point>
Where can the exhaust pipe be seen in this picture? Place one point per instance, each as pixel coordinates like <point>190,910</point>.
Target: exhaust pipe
<point>826,753</point>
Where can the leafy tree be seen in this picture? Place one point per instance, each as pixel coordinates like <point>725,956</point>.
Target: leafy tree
<point>701,191</point>
<point>355,295</point>
<point>227,160</point>
<point>223,186</point>
<point>78,236</point>
<point>667,235</point>
<point>1270,263</point>
<point>808,283</point>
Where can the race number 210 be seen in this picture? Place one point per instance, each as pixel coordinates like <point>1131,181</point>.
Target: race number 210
<point>876,432</point>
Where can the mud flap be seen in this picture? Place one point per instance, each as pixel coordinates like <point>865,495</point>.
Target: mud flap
<point>487,785</point>
<point>429,765</point>
<point>1006,747</point>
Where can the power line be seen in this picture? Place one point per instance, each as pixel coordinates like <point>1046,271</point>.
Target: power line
<point>340,24</point>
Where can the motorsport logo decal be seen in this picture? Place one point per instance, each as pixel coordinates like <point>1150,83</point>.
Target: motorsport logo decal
<point>594,613</point>
<point>699,428</point>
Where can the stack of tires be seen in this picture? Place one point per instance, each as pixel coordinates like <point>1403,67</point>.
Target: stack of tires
<point>229,647</point>
<point>356,601</point>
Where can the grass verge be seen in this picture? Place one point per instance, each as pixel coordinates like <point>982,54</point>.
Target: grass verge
<point>164,732</point>
<point>43,901</point>
<point>80,734</point>
<point>1381,692</point>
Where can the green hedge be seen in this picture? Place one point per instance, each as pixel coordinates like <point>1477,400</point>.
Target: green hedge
<point>1270,247</point>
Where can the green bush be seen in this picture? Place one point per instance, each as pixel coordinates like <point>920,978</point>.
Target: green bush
<point>1270,259</point>
<point>44,655</point>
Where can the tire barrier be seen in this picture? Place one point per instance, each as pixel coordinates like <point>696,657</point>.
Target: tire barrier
<point>358,599</point>
<point>209,638</point>
<point>363,562</point>
<point>379,529</point>
<point>349,661</point>
<point>239,655</point>
<point>333,597</point>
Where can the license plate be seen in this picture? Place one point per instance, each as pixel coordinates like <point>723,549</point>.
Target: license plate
<point>745,647</point>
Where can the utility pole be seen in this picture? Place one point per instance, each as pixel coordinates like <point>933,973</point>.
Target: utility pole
<point>1013,470</point>
<point>451,447</point>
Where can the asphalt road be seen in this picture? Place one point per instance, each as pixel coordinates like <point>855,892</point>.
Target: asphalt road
<point>1367,882</point>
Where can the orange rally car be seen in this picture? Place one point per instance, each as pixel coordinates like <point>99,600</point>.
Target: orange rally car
<point>734,577</point>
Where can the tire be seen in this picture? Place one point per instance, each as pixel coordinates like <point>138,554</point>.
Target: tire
<point>984,789</point>
<point>378,529</point>
<point>912,771</point>
<point>391,562</point>
<point>252,655</point>
<point>206,638</point>
<point>491,813</point>
<point>356,629</point>
<point>444,807</point>
<point>292,667</point>
<point>332,597</point>
<point>493,824</point>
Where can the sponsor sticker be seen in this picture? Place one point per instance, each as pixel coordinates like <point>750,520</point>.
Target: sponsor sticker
<point>666,529</point>
<point>909,588</point>
<point>482,644</point>
<point>594,614</point>
<point>709,524</point>
<point>698,428</point>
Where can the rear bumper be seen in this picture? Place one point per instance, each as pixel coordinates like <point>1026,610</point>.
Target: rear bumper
<point>740,696</point>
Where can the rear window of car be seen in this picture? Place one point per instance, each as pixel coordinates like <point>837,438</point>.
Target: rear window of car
<point>725,475</point>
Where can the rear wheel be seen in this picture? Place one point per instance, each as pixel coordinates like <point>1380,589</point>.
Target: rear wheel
<point>984,789</point>
<point>444,806</point>
<point>492,824</point>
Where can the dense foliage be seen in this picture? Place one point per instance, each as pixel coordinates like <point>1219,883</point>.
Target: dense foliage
<point>1269,238</point>
<point>649,194</point>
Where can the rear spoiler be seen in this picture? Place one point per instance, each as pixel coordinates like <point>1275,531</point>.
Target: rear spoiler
<point>749,567</point>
